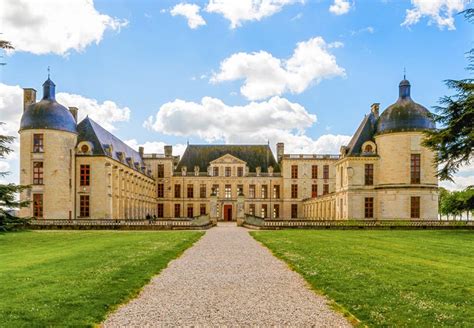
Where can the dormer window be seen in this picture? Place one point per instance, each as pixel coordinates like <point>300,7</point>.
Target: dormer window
<point>368,149</point>
<point>84,148</point>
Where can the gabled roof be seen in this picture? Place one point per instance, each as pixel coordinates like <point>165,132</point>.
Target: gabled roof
<point>227,158</point>
<point>253,155</point>
<point>365,132</point>
<point>100,138</point>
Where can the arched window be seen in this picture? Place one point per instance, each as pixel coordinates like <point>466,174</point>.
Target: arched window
<point>368,149</point>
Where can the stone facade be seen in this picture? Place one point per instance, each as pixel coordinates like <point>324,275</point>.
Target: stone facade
<point>86,172</point>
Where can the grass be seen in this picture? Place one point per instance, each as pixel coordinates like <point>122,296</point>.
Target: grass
<point>386,278</point>
<point>74,278</point>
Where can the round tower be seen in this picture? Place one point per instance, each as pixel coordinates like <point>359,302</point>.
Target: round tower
<point>406,182</point>
<point>48,136</point>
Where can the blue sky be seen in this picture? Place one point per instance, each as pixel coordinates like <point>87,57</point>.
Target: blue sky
<point>144,60</point>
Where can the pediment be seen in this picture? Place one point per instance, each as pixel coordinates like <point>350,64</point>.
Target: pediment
<point>228,159</point>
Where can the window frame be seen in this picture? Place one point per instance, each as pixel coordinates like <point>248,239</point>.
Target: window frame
<point>38,143</point>
<point>160,210</point>
<point>369,207</point>
<point>84,206</point>
<point>177,190</point>
<point>190,191</point>
<point>84,175</point>
<point>294,171</point>
<point>314,190</point>
<point>415,169</point>
<point>415,207</point>
<point>177,210</point>
<point>161,190</point>
<point>325,171</point>
<point>38,173</point>
<point>160,171</point>
<point>294,191</point>
<point>369,174</point>
<point>38,205</point>
<point>314,171</point>
<point>294,211</point>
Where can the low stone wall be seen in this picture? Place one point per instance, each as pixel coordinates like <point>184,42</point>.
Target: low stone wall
<point>253,222</point>
<point>197,223</point>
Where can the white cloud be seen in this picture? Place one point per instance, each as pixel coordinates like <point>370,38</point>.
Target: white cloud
<point>441,12</point>
<point>54,26</point>
<point>156,147</point>
<point>267,76</point>
<point>462,179</point>
<point>275,120</point>
<point>368,29</point>
<point>239,11</point>
<point>190,12</point>
<point>106,113</point>
<point>340,7</point>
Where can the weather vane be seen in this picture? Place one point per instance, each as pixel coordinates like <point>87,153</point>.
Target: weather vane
<point>404,73</point>
<point>49,70</point>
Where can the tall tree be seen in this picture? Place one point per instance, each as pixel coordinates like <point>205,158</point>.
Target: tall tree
<point>453,142</point>
<point>8,193</point>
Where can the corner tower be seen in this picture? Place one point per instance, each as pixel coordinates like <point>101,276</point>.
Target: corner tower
<point>406,181</point>
<point>48,136</point>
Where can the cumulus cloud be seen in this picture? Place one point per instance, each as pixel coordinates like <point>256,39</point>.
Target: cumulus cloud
<point>440,12</point>
<point>106,113</point>
<point>340,7</point>
<point>240,11</point>
<point>156,147</point>
<point>54,26</point>
<point>267,76</point>
<point>190,12</point>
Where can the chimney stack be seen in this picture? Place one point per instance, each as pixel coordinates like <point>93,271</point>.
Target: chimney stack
<point>374,109</point>
<point>73,111</point>
<point>168,151</point>
<point>29,97</point>
<point>141,151</point>
<point>280,151</point>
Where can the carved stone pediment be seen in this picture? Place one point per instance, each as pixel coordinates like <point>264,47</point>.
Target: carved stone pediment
<point>228,159</point>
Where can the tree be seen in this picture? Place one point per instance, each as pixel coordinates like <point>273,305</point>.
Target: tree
<point>8,193</point>
<point>454,141</point>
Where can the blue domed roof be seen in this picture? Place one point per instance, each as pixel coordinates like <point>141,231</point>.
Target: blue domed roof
<point>405,114</point>
<point>48,113</point>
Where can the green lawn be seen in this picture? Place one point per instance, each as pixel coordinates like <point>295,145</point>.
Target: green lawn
<point>75,278</point>
<point>386,278</point>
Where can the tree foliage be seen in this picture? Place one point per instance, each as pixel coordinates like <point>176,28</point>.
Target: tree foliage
<point>454,141</point>
<point>8,193</point>
<point>6,45</point>
<point>456,203</point>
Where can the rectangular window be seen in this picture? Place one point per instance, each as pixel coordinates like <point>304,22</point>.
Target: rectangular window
<point>190,191</point>
<point>228,171</point>
<point>369,207</point>
<point>314,191</point>
<point>369,174</point>
<point>276,211</point>
<point>276,191</point>
<point>228,191</point>
<point>161,171</point>
<point>215,171</point>
<point>240,189</point>
<point>251,191</point>
<point>415,207</point>
<point>294,211</point>
<point>294,191</point>
<point>177,210</point>
<point>325,171</point>
<point>215,189</point>
<point>161,190</point>
<point>202,191</point>
<point>177,191</point>
<point>415,168</point>
<point>37,173</point>
<point>202,209</point>
<point>38,205</point>
<point>190,211</point>
<point>84,210</point>
<point>264,211</point>
<point>252,209</point>
<point>325,189</point>
<point>85,175</point>
<point>294,171</point>
<point>314,172</point>
<point>38,143</point>
<point>160,212</point>
<point>264,191</point>
<point>240,171</point>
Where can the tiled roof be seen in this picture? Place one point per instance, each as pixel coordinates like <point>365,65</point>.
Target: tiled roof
<point>253,155</point>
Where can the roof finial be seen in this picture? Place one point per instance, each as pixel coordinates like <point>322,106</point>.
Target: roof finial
<point>404,73</point>
<point>49,71</point>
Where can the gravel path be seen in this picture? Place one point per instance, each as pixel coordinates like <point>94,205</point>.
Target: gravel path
<point>226,279</point>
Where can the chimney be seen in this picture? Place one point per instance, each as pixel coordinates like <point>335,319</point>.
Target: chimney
<point>280,151</point>
<point>168,151</point>
<point>140,151</point>
<point>29,97</point>
<point>374,109</point>
<point>73,111</point>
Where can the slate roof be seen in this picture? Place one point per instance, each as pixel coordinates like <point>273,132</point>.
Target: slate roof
<point>253,155</point>
<point>100,139</point>
<point>365,132</point>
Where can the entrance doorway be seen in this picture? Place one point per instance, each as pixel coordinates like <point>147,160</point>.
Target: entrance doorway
<point>227,212</point>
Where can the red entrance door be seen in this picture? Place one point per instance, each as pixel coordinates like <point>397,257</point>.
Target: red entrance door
<point>227,212</point>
